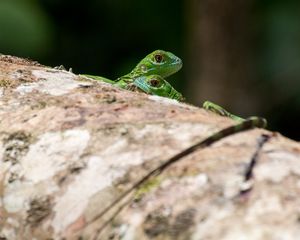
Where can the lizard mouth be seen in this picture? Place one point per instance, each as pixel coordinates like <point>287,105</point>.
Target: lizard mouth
<point>174,67</point>
<point>140,85</point>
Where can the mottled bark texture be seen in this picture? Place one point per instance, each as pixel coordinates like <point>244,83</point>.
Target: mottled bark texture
<point>69,147</point>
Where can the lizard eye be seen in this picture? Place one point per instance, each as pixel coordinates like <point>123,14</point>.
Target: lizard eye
<point>154,82</point>
<point>158,58</point>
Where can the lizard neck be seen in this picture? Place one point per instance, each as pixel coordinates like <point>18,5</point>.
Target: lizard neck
<point>130,76</point>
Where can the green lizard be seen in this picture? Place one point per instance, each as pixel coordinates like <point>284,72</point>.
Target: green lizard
<point>221,111</point>
<point>159,62</point>
<point>156,85</point>
<point>148,76</point>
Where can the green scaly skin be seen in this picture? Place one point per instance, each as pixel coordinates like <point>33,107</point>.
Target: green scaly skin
<point>159,62</point>
<point>220,111</point>
<point>99,78</point>
<point>156,85</point>
<point>148,76</point>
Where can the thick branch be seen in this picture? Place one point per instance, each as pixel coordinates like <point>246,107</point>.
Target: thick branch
<point>69,147</point>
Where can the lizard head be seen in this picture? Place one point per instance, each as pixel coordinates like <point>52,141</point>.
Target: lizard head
<point>158,62</point>
<point>156,85</point>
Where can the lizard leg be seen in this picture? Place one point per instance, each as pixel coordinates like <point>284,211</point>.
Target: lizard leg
<point>221,111</point>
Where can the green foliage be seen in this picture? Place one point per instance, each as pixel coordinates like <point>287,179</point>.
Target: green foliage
<point>25,28</point>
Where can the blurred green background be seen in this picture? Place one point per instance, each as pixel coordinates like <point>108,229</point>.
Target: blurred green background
<point>243,55</point>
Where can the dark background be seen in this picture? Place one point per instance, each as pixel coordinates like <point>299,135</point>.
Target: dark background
<point>243,55</point>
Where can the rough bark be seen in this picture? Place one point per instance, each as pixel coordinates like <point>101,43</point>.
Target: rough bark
<point>69,147</point>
